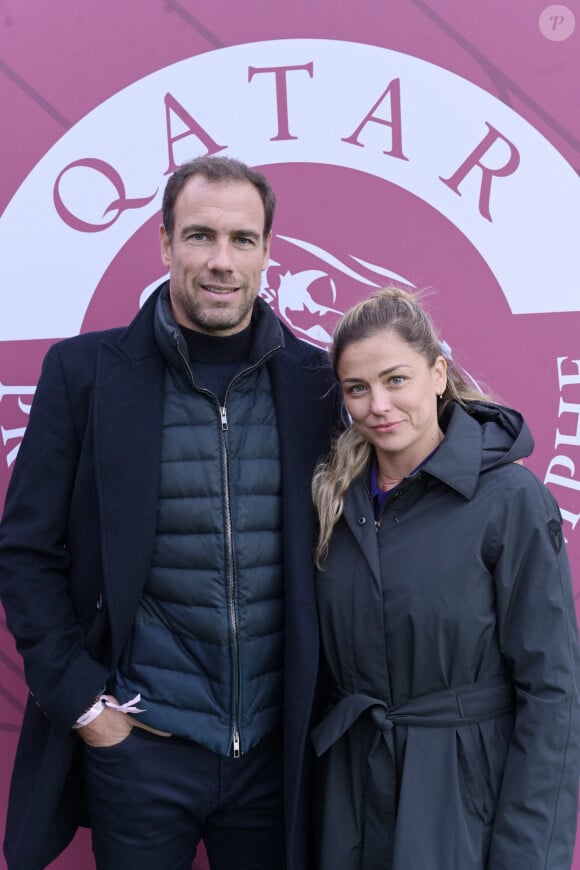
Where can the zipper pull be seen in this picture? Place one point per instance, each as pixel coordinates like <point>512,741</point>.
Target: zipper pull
<point>224,416</point>
<point>236,743</point>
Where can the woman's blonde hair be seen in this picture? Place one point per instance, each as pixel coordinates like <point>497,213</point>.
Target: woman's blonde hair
<point>388,309</point>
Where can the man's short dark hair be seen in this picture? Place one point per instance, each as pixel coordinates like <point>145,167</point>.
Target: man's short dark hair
<point>216,169</point>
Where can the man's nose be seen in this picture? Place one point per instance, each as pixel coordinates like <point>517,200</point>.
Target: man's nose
<point>220,259</point>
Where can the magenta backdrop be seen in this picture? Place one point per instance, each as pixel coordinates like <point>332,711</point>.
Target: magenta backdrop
<point>379,130</point>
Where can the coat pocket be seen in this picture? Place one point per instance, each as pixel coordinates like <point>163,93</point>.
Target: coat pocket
<point>477,790</point>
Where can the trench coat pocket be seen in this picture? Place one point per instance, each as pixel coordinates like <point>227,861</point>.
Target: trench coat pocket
<point>477,790</point>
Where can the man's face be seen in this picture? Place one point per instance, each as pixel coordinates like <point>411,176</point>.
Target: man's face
<point>216,256</point>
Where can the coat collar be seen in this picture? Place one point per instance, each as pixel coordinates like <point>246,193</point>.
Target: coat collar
<point>457,461</point>
<point>481,436</point>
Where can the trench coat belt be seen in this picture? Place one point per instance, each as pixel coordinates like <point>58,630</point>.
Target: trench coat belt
<point>450,708</point>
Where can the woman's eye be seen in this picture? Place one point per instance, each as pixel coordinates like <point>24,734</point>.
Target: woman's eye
<point>397,380</point>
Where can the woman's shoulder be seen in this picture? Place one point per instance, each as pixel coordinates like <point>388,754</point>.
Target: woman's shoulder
<point>519,487</point>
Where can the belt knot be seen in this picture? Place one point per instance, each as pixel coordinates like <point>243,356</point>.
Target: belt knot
<point>382,719</point>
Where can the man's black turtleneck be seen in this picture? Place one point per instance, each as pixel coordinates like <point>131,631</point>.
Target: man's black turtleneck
<point>214,359</point>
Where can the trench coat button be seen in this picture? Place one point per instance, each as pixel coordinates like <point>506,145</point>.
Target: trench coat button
<point>362,521</point>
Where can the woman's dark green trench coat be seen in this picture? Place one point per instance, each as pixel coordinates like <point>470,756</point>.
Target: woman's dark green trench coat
<point>450,740</point>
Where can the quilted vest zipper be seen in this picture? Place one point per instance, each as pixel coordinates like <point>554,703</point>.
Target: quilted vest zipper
<point>231,585</point>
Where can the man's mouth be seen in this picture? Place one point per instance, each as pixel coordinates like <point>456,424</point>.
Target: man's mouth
<point>220,289</point>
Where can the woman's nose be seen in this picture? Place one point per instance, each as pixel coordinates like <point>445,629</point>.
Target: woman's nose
<point>380,400</point>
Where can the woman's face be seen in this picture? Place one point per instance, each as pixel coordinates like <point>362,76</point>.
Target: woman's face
<point>390,392</point>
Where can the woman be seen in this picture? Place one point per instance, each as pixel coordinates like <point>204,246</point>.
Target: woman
<point>450,740</point>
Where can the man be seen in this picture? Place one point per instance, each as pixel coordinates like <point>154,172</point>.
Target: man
<point>156,565</point>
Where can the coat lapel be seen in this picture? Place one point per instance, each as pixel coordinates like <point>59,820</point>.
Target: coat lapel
<point>128,416</point>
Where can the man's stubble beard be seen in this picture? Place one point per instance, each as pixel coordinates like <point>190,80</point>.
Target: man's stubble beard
<point>219,318</point>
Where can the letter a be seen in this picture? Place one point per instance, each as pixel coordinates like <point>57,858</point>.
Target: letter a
<point>193,129</point>
<point>394,92</point>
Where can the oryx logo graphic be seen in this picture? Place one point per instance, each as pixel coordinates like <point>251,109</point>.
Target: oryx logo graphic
<point>306,299</point>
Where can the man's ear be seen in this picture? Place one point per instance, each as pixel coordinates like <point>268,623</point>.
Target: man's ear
<point>266,259</point>
<point>165,246</point>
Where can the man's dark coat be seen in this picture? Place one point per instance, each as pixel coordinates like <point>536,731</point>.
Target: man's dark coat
<point>75,547</point>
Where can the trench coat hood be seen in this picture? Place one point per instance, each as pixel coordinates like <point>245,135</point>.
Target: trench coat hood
<point>484,436</point>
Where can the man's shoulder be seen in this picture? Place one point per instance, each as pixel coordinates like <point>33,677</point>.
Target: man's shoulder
<point>92,338</point>
<point>136,336</point>
<point>87,343</point>
<point>303,352</point>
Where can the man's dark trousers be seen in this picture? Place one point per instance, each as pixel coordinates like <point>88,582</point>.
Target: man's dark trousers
<point>152,798</point>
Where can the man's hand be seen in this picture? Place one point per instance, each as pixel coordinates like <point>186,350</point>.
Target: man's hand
<point>112,727</point>
<point>108,729</point>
